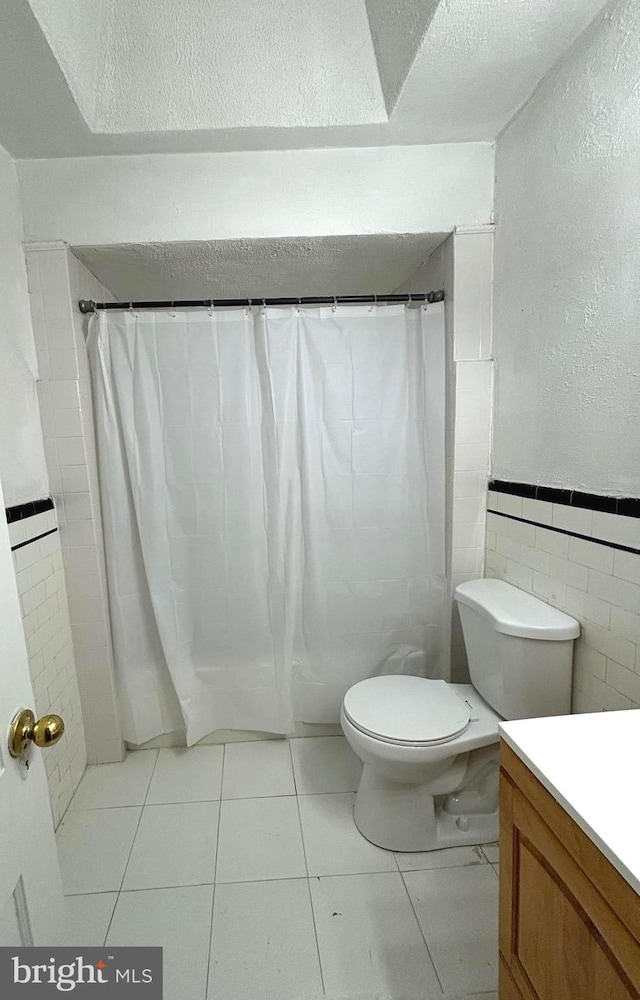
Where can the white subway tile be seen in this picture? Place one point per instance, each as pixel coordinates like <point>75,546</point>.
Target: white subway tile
<point>606,697</point>
<point>586,658</point>
<point>77,506</point>
<point>626,624</point>
<point>470,457</point>
<point>586,606</point>
<point>492,500</point>
<point>537,559</point>
<point>553,542</point>
<point>496,564</point>
<point>591,554</point>
<point>67,423</point>
<point>64,394</point>
<point>468,509</point>
<point>550,588</point>
<point>577,519</point>
<point>71,451</point>
<point>63,364</point>
<point>627,682</point>
<point>490,540</point>
<point>16,532</point>
<point>537,510</point>
<point>617,528</point>
<point>618,592</point>
<point>508,547</point>
<point>611,643</point>
<point>510,504</point>
<point>626,565</point>
<point>74,479</point>
<point>496,523</point>
<point>519,575</point>
<point>521,532</point>
<point>469,484</point>
<point>574,574</point>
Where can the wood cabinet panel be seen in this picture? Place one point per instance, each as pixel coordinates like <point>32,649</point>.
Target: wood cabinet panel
<point>568,921</point>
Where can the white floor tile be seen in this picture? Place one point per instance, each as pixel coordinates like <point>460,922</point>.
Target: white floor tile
<point>263,942</point>
<point>325,764</point>
<point>259,839</point>
<point>261,768</point>
<point>88,918</point>
<point>93,847</point>
<point>332,842</point>
<point>186,774</point>
<point>491,853</point>
<point>370,942</point>
<point>175,845</point>
<point>125,784</point>
<point>450,857</point>
<point>458,912</point>
<point>179,921</point>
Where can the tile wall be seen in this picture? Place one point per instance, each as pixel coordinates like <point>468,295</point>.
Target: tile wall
<point>56,281</point>
<point>463,266</point>
<point>473,393</point>
<point>585,562</point>
<point>37,558</point>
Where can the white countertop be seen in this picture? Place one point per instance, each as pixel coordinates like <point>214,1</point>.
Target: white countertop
<point>591,766</point>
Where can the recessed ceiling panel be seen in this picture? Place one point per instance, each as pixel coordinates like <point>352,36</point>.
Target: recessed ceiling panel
<point>329,265</point>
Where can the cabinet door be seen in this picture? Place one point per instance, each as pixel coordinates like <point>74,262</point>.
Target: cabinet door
<point>559,937</point>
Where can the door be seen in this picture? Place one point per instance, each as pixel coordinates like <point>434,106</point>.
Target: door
<point>31,900</point>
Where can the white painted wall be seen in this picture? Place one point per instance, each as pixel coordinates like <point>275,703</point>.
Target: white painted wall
<point>22,464</point>
<point>567,270</point>
<point>147,199</point>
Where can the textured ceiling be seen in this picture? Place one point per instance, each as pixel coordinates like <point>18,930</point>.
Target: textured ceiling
<point>90,77</point>
<point>330,265</point>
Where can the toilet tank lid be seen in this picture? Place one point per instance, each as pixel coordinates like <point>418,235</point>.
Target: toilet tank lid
<point>514,612</point>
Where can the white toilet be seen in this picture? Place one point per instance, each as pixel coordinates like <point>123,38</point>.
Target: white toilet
<point>430,748</point>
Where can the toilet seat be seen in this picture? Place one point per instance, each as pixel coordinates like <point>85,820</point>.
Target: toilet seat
<point>406,710</point>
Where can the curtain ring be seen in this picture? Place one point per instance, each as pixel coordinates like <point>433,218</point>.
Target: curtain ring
<point>298,306</point>
<point>335,304</point>
<point>264,306</point>
<point>131,309</point>
<point>211,307</point>
<point>172,311</point>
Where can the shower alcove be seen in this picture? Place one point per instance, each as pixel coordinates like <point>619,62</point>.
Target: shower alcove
<point>59,276</point>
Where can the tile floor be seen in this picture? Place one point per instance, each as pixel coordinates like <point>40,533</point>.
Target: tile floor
<point>243,862</point>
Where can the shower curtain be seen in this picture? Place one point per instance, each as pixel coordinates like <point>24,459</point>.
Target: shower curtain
<point>272,486</point>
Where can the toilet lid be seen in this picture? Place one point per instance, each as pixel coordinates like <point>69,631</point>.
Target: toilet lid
<point>403,709</point>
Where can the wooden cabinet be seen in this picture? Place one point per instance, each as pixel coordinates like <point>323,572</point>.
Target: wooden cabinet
<point>569,922</point>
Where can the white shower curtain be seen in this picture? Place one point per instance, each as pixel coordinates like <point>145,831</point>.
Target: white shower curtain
<point>272,484</point>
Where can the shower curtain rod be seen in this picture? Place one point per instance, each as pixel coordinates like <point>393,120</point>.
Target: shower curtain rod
<point>88,305</point>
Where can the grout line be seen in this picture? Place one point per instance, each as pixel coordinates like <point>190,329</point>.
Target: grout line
<point>306,866</point>
<point>215,872</point>
<point>153,771</point>
<point>402,874</point>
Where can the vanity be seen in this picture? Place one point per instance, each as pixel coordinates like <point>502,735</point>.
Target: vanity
<point>570,858</point>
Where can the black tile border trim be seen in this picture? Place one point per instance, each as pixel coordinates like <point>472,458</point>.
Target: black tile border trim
<point>627,506</point>
<point>36,538</point>
<point>563,531</point>
<point>22,510</point>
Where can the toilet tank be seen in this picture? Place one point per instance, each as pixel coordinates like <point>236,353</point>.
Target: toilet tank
<point>519,649</point>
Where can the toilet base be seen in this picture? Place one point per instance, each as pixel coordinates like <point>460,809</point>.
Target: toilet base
<point>404,817</point>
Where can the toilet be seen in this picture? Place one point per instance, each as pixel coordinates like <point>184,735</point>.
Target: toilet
<point>430,748</point>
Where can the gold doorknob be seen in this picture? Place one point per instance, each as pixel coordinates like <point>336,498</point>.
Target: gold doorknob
<point>24,729</point>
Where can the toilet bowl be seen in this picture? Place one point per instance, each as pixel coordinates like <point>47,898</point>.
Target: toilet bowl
<point>430,748</point>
